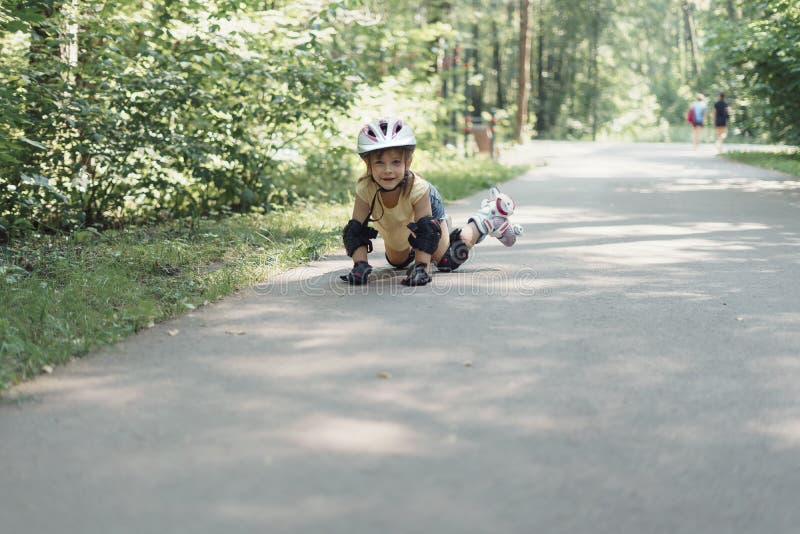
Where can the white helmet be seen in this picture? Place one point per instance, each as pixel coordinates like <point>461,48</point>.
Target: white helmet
<point>390,132</point>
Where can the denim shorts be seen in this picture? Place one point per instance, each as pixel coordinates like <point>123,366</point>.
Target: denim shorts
<point>437,206</point>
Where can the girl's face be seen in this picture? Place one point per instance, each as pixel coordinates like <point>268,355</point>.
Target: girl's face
<point>388,167</point>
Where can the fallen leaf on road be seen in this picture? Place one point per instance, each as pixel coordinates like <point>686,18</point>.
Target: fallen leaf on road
<point>235,332</point>
<point>467,364</point>
<point>173,332</point>
<point>47,369</point>
<point>384,375</point>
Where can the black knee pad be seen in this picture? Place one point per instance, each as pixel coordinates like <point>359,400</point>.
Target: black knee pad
<point>405,263</point>
<point>457,253</point>
<point>426,233</point>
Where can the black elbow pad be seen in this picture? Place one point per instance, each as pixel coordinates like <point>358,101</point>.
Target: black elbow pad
<point>425,234</point>
<point>357,235</point>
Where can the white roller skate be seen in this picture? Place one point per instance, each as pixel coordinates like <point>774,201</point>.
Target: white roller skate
<point>492,218</point>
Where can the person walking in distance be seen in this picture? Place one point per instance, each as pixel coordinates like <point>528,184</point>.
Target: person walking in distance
<point>699,108</point>
<point>721,117</point>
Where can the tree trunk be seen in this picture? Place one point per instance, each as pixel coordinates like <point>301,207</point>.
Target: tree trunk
<point>497,65</point>
<point>680,46</point>
<point>593,73</point>
<point>442,66</point>
<point>69,43</point>
<point>476,91</point>
<point>44,59</point>
<point>44,51</point>
<point>455,65</point>
<point>531,73</point>
<point>524,65</point>
<point>439,11</point>
<point>733,11</point>
<point>541,93</point>
<point>513,52</point>
<point>691,35</point>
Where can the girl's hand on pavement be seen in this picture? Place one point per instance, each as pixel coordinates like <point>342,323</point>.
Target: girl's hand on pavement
<point>417,276</point>
<point>358,274</point>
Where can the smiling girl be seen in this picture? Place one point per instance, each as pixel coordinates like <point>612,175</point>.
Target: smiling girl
<point>408,211</point>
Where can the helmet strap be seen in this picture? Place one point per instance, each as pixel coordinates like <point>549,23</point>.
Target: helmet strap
<point>376,197</point>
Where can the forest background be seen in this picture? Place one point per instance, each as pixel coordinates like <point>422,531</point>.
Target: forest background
<point>120,112</point>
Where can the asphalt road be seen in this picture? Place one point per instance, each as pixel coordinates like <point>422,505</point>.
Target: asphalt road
<point>629,366</point>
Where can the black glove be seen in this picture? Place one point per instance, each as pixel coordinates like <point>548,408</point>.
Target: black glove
<point>417,276</point>
<point>358,274</point>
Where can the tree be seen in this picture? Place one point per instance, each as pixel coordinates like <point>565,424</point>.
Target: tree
<point>524,65</point>
<point>691,35</point>
<point>762,49</point>
<point>183,108</point>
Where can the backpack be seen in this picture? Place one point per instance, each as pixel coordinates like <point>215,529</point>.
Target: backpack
<point>690,115</point>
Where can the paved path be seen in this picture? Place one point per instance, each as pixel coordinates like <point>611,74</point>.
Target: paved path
<point>630,366</point>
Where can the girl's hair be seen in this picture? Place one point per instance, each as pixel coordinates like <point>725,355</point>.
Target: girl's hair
<point>405,189</point>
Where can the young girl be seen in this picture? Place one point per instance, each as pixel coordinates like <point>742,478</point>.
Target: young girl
<point>408,211</point>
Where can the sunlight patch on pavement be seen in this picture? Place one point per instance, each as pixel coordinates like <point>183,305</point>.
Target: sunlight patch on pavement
<point>356,436</point>
<point>550,215</point>
<point>98,390</point>
<point>726,184</point>
<point>315,508</point>
<point>684,434</point>
<point>289,364</point>
<point>544,423</point>
<point>786,433</point>
<point>682,294</point>
<point>638,230</point>
<point>641,371</point>
<point>653,252</point>
<point>785,364</point>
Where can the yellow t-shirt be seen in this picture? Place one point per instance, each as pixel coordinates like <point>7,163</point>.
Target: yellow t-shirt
<point>392,222</point>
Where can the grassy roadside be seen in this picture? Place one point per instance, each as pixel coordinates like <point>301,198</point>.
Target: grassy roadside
<point>63,296</point>
<point>787,161</point>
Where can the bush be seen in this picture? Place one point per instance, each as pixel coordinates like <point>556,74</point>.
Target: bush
<point>172,112</point>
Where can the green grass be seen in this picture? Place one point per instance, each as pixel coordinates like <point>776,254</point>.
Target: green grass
<point>680,133</point>
<point>63,296</point>
<point>787,161</point>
